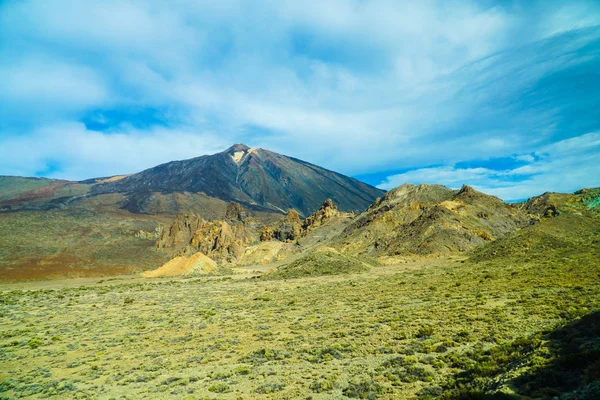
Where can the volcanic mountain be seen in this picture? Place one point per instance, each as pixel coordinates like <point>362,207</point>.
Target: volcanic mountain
<point>252,177</point>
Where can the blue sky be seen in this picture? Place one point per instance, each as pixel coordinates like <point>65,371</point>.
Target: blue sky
<point>500,95</point>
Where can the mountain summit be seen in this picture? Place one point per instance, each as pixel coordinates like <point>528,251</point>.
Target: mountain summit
<point>250,176</point>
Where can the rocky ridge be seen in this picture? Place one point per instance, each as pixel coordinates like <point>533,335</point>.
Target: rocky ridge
<point>551,204</point>
<point>409,221</point>
<point>236,240</point>
<point>430,220</point>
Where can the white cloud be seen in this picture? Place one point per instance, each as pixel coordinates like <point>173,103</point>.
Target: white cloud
<point>351,85</point>
<point>82,153</point>
<point>46,85</point>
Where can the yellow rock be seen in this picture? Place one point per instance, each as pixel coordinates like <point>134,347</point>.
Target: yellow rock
<point>195,264</point>
<point>262,253</point>
<point>326,249</point>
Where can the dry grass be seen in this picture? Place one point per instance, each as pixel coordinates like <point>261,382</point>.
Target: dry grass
<point>389,333</point>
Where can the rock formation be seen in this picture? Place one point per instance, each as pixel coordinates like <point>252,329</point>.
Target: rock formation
<point>319,217</point>
<point>235,212</point>
<point>219,240</point>
<point>181,231</point>
<point>291,228</point>
<point>288,229</point>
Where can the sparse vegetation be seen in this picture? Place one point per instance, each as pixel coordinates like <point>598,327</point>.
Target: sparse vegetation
<point>74,243</point>
<point>491,324</point>
<point>320,263</point>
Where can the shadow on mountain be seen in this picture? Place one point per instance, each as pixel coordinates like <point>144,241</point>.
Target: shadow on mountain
<point>561,364</point>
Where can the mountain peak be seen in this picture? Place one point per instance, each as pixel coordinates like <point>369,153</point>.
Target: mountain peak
<point>237,147</point>
<point>237,152</point>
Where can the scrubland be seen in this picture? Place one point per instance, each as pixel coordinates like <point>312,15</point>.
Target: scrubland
<point>436,328</point>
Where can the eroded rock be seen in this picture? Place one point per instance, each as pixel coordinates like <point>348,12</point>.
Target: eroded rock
<point>235,212</point>
<point>291,228</point>
<point>219,240</point>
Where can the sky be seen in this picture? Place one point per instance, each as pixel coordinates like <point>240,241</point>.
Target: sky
<point>500,95</point>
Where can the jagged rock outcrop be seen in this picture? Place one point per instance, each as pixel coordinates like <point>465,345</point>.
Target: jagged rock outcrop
<point>235,212</point>
<point>267,234</point>
<point>181,231</point>
<point>291,228</point>
<point>288,229</point>
<point>219,240</point>
<point>318,218</point>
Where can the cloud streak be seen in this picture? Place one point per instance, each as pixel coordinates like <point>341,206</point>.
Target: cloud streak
<point>359,87</point>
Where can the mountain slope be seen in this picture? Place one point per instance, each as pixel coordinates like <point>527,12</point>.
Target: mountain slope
<point>430,220</point>
<point>17,193</point>
<point>567,224</point>
<point>253,177</point>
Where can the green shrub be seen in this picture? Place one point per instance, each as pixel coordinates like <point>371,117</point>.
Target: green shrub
<point>329,353</point>
<point>263,355</point>
<point>219,387</point>
<point>321,385</point>
<point>241,370</point>
<point>363,389</point>
<point>424,331</point>
<point>34,343</point>
<point>270,388</point>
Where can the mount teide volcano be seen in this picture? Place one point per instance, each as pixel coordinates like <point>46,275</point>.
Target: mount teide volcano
<point>109,225</point>
<point>257,178</point>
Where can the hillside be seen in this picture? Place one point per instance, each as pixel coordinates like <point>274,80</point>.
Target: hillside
<point>430,220</point>
<point>76,243</point>
<point>567,224</point>
<point>18,193</point>
<point>557,257</point>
